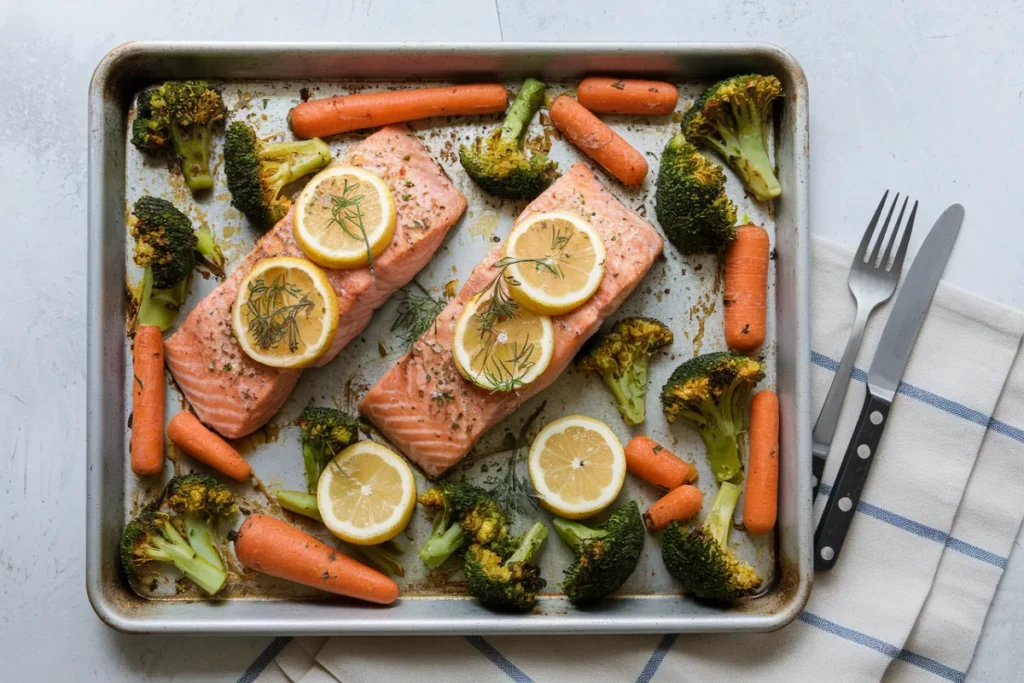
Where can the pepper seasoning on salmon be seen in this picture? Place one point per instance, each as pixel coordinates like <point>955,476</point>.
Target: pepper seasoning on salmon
<point>406,404</point>
<point>236,395</point>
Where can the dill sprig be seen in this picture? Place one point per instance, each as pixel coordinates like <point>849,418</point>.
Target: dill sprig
<point>273,310</point>
<point>505,374</point>
<point>347,213</point>
<point>416,313</point>
<point>513,490</point>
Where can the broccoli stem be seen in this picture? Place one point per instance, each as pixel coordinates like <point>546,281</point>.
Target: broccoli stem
<point>200,536</point>
<point>383,557</point>
<point>723,452</point>
<point>299,502</point>
<point>719,520</point>
<point>209,250</point>
<point>313,456</point>
<point>160,306</point>
<point>747,153</point>
<point>630,390</point>
<point>442,544</point>
<point>296,158</point>
<point>526,104</point>
<point>574,533</point>
<point>193,148</point>
<point>528,546</point>
<point>176,550</point>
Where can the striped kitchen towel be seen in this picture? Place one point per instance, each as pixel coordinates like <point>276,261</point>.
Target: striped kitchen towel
<point>909,596</point>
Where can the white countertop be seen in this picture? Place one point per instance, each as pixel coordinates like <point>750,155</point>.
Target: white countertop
<point>922,97</point>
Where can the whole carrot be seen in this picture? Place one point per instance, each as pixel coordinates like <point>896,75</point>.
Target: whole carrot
<point>678,505</point>
<point>627,96</point>
<point>746,288</point>
<point>147,444</point>
<point>655,464</point>
<point>333,115</point>
<point>273,547</point>
<point>761,500</point>
<point>598,141</point>
<point>188,433</point>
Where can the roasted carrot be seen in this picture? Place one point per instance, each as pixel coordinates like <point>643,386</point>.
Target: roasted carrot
<point>761,499</point>
<point>598,141</point>
<point>273,547</point>
<point>333,115</point>
<point>147,445</point>
<point>678,505</point>
<point>627,96</point>
<point>188,433</point>
<point>746,288</point>
<point>655,464</point>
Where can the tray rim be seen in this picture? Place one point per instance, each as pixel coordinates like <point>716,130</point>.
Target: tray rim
<point>203,617</point>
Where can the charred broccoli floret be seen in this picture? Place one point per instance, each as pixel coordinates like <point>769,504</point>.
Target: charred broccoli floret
<point>152,537</point>
<point>712,392</point>
<point>498,165</point>
<point>180,115</point>
<point>201,501</point>
<point>167,247</point>
<point>692,207</point>
<point>503,578</point>
<point>701,559</point>
<point>258,171</point>
<point>605,556</point>
<point>622,356</point>
<point>733,117</point>
<point>461,512</point>
<point>325,433</point>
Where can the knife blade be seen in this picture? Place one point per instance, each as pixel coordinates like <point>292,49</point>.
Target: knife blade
<point>887,366</point>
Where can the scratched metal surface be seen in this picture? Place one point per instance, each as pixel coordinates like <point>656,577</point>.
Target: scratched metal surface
<point>684,292</point>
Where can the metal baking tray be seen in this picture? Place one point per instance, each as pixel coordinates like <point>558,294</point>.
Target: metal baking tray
<point>260,82</point>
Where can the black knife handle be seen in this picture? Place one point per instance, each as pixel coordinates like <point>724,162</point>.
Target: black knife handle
<point>849,484</point>
<point>817,469</point>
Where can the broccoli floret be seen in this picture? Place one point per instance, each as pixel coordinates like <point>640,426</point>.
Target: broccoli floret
<point>325,433</point>
<point>605,556</point>
<point>168,248</point>
<point>258,171</point>
<point>461,512</point>
<point>712,391</point>
<point>621,357</point>
<point>692,207</point>
<point>499,165</point>
<point>733,118</point>
<point>701,559</point>
<point>506,580</point>
<point>201,501</point>
<point>180,115</point>
<point>152,537</point>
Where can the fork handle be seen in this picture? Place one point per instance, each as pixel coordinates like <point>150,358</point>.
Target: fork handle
<point>828,418</point>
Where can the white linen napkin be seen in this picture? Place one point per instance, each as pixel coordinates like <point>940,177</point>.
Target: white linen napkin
<point>908,598</point>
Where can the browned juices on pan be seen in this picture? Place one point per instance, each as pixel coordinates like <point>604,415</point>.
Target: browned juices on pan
<point>333,115</point>
<point>746,288</point>
<point>627,96</point>
<point>598,141</point>
<point>273,547</point>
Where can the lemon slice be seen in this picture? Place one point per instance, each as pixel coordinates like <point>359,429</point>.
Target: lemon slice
<point>566,262</point>
<point>285,313</point>
<point>366,494</point>
<point>344,215</point>
<point>513,352</point>
<point>577,466</point>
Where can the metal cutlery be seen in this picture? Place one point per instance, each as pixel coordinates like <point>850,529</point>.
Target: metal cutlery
<point>872,281</point>
<point>884,376</point>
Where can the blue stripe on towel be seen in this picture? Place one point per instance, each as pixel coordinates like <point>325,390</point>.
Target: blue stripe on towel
<point>498,659</point>
<point>657,657</point>
<point>264,660</point>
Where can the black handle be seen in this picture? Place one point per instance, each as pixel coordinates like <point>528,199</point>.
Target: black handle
<point>853,473</point>
<point>817,470</point>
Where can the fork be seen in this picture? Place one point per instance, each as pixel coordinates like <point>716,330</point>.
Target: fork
<point>872,282</point>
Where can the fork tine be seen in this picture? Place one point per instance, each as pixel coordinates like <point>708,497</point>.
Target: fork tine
<point>885,228</point>
<point>897,264</point>
<point>863,248</point>
<point>895,232</point>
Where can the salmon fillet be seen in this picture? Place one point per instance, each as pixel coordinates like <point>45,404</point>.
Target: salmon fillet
<point>234,394</point>
<point>436,434</point>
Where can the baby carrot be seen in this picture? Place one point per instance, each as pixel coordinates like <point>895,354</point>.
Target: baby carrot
<point>761,500</point>
<point>598,141</point>
<point>147,444</point>
<point>657,465</point>
<point>678,505</point>
<point>273,547</point>
<point>188,433</point>
<point>627,96</point>
<point>746,288</point>
<point>333,115</point>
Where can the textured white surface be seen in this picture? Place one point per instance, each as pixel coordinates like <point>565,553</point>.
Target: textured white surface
<point>895,94</point>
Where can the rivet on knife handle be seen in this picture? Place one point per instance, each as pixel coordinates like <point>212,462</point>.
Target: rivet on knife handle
<point>842,501</point>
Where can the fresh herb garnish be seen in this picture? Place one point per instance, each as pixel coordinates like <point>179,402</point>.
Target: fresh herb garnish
<point>273,310</point>
<point>347,213</point>
<point>513,491</point>
<point>423,224</point>
<point>416,313</point>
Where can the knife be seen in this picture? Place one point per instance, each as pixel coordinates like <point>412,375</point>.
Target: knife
<point>887,368</point>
